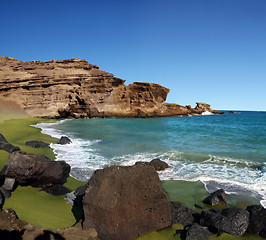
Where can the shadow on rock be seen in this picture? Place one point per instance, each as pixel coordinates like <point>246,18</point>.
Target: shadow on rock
<point>11,235</point>
<point>48,235</point>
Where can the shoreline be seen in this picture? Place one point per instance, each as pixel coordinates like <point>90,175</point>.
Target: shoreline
<point>187,192</point>
<point>210,184</point>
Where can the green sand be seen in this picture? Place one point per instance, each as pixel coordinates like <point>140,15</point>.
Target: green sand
<point>44,210</point>
<point>31,204</point>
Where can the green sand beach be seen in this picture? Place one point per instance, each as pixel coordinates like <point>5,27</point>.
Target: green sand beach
<point>44,210</point>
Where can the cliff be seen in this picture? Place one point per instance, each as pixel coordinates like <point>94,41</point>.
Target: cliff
<point>75,88</point>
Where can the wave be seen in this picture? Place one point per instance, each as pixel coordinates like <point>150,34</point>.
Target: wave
<point>233,175</point>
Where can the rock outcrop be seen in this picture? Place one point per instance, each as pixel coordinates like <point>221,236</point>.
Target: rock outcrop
<point>122,203</point>
<point>74,88</point>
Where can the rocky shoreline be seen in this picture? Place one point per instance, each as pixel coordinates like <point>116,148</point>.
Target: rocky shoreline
<point>118,202</point>
<point>75,88</point>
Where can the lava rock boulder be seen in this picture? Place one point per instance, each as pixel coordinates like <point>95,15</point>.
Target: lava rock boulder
<point>229,220</point>
<point>34,169</point>
<point>182,214</point>
<point>217,197</point>
<point>122,203</point>
<point>257,220</point>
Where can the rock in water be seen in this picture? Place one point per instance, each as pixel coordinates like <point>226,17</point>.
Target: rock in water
<point>35,170</point>
<point>64,140</point>
<point>158,164</point>
<point>217,197</point>
<point>122,203</point>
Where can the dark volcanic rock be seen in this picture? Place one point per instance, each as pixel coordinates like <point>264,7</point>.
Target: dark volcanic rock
<point>64,140</point>
<point>2,201</point>
<point>230,220</point>
<point>217,197</point>
<point>123,203</point>
<point>257,220</point>
<point>182,214</point>
<point>37,144</point>
<point>141,162</point>
<point>80,191</point>
<point>6,146</point>
<point>11,235</point>
<point>56,190</point>
<point>263,233</point>
<point>198,206</point>
<point>5,193</point>
<point>158,164</point>
<point>197,232</point>
<point>35,170</point>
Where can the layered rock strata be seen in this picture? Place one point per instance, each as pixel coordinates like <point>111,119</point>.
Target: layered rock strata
<point>74,88</point>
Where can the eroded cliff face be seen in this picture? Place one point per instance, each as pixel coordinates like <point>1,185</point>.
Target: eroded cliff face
<point>74,88</point>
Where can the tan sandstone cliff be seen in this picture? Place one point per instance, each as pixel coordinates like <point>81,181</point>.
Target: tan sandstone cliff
<point>74,88</point>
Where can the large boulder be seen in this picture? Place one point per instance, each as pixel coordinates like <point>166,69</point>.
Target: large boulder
<point>123,203</point>
<point>230,220</point>
<point>182,214</point>
<point>197,232</point>
<point>217,197</point>
<point>6,146</point>
<point>257,220</point>
<point>34,169</point>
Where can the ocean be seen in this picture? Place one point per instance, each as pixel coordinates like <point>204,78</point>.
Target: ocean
<point>222,151</point>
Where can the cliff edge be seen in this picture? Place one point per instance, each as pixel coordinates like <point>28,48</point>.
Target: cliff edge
<point>75,88</point>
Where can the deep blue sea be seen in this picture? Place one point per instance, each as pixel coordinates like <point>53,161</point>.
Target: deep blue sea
<point>223,151</point>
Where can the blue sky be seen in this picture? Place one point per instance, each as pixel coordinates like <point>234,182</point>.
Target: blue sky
<point>210,51</point>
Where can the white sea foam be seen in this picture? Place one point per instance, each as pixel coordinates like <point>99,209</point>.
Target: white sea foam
<point>233,175</point>
<point>206,113</point>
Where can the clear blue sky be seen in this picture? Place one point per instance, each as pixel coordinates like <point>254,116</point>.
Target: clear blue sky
<point>211,51</point>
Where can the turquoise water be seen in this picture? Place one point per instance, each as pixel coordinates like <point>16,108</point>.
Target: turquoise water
<point>227,151</point>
